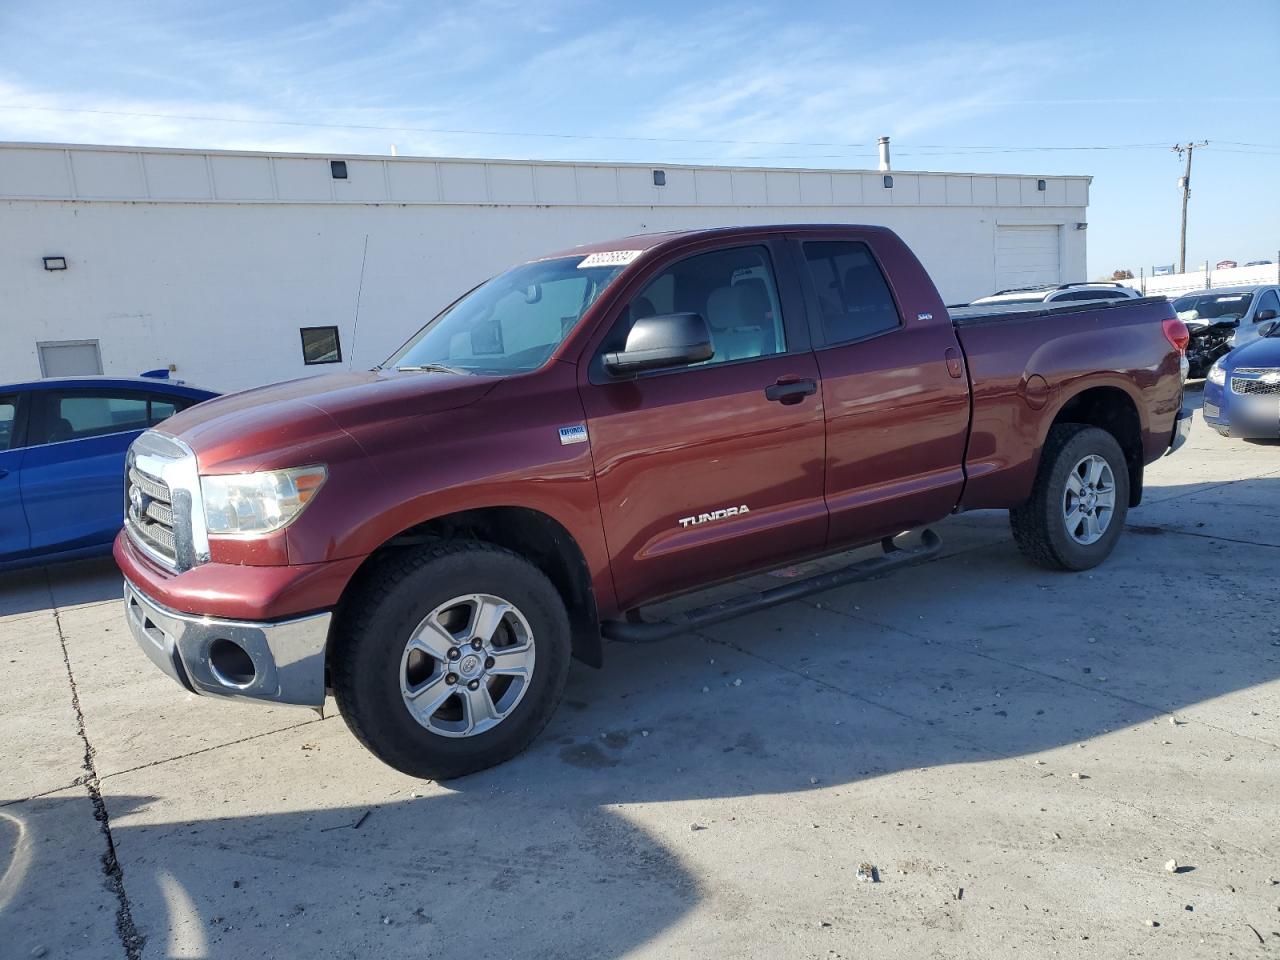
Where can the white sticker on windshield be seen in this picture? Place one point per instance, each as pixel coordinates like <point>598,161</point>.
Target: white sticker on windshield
<point>609,258</point>
<point>1229,299</point>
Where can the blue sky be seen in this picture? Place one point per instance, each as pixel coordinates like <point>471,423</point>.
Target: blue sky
<point>957,86</point>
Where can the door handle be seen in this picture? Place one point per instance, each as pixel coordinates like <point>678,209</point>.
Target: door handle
<point>3,473</point>
<point>790,391</point>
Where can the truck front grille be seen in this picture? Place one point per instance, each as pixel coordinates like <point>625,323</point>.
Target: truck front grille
<point>149,514</point>
<point>163,511</point>
<point>1256,381</point>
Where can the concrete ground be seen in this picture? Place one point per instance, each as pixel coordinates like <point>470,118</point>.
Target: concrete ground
<point>1017,752</point>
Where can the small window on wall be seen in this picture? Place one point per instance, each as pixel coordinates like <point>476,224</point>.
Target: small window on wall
<point>321,345</point>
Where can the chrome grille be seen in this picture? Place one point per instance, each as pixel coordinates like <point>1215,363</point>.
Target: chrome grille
<point>163,512</point>
<point>1256,381</point>
<point>149,514</point>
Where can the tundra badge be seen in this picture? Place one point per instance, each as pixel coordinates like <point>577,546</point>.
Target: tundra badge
<point>722,514</point>
<point>574,434</point>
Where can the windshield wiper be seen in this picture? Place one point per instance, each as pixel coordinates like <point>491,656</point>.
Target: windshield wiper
<point>432,368</point>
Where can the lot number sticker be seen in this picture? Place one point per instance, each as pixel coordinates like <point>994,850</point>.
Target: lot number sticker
<point>609,258</point>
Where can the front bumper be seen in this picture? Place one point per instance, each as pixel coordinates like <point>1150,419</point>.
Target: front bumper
<point>281,662</point>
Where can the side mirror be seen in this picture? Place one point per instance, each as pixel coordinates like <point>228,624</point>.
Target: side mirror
<point>1268,328</point>
<point>671,340</point>
<point>1267,314</point>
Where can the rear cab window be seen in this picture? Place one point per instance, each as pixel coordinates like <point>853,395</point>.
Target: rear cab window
<point>854,300</point>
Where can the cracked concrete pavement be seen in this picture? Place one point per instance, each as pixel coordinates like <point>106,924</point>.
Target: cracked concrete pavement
<point>1018,752</point>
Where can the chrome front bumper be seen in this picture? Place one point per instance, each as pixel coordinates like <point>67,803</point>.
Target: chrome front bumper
<point>282,662</point>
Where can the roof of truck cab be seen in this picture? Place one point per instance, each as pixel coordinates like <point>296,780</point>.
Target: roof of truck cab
<point>647,241</point>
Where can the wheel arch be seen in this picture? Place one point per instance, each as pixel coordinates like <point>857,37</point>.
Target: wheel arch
<point>1110,408</point>
<point>534,535</point>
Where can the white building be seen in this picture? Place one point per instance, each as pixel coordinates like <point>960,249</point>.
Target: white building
<point>214,261</point>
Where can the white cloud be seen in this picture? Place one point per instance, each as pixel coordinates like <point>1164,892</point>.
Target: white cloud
<point>725,73</point>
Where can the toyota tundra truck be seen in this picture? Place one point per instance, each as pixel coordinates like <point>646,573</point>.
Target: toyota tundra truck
<point>432,541</point>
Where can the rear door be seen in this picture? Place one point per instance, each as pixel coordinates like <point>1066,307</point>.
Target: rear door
<point>701,475</point>
<point>893,386</point>
<point>73,475</point>
<point>14,538</point>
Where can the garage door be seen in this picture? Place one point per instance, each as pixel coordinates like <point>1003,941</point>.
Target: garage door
<point>1027,256</point>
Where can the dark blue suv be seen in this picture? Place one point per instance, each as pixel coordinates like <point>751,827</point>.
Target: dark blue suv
<point>62,447</point>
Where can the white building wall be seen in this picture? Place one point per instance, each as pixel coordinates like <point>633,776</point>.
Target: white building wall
<point>1176,284</point>
<point>212,261</point>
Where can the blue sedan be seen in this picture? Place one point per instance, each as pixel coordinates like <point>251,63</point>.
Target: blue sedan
<point>62,447</point>
<point>1242,392</point>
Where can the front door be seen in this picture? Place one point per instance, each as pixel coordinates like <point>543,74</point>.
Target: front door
<point>710,470</point>
<point>14,539</point>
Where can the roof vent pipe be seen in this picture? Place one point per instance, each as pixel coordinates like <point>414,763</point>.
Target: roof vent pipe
<point>884,153</point>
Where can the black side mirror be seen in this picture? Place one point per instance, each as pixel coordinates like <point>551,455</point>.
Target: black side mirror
<point>671,340</point>
<point>1267,314</point>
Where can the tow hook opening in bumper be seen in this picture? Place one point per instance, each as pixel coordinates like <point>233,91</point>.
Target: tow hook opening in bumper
<point>278,661</point>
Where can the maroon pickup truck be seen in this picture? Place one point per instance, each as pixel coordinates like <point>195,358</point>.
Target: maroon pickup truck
<point>591,432</point>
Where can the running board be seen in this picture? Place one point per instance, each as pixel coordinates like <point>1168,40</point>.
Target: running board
<point>893,558</point>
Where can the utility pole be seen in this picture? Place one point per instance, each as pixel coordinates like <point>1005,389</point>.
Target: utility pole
<point>1185,182</point>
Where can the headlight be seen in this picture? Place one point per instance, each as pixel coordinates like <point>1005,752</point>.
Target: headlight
<point>1217,374</point>
<point>254,503</point>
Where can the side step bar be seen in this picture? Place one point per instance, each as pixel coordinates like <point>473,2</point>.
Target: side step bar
<point>893,558</point>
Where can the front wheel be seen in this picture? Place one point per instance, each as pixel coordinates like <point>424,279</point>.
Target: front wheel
<point>451,659</point>
<point>1079,502</point>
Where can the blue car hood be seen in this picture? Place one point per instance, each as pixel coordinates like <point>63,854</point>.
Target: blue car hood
<point>1260,353</point>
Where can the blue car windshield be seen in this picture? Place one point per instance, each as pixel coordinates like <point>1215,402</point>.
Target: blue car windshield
<point>512,323</point>
<point>1213,306</point>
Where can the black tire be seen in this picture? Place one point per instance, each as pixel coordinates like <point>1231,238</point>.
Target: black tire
<point>1038,526</point>
<point>377,622</point>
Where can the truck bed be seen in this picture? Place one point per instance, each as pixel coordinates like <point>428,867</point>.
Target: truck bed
<point>1023,363</point>
<point>996,313</point>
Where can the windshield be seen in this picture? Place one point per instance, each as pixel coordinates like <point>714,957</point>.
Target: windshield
<point>1213,306</point>
<point>512,323</point>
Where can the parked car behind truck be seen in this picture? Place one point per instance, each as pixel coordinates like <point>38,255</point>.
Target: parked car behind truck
<point>595,430</point>
<point>1222,319</point>
<point>62,449</point>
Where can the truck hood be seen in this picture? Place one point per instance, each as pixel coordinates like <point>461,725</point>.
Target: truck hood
<point>281,424</point>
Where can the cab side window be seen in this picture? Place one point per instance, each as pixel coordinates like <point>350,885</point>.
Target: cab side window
<point>853,297</point>
<point>733,290</point>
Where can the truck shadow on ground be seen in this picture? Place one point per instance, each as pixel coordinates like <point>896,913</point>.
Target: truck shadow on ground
<point>80,581</point>
<point>972,658</point>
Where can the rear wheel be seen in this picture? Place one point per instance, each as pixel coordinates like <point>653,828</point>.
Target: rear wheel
<point>451,659</point>
<point>1078,505</point>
